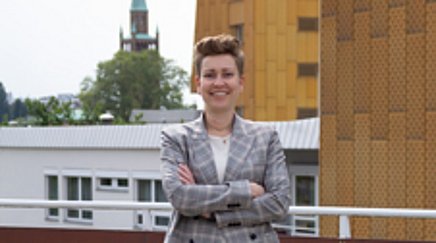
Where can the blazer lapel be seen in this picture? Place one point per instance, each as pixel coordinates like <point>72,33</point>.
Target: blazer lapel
<point>240,144</point>
<point>204,164</point>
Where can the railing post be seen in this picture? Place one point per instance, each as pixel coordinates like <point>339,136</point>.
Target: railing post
<point>344,227</point>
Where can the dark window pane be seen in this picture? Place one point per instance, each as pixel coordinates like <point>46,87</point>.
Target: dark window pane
<point>73,188</point>
<point>86,214</point>
<point>305,191</point>
<point>307,69</point>
<point>305,226</point>
<point>53,212</point>
<point>52,187</point>
<point>73,213</point>
<point>159,192</point>
<point>238,32</point>
<point>86,189</point>
<point>106,181</point>
<point>162,221</point>
<point>307,113</point>
<point>123,183</point>
<point>140,220</point>
<point>144,190</point>
<point>307,24</point>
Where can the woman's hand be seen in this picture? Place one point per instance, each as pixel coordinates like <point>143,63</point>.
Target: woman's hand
<point>185,174</point>
<point>256,190</point>
<point>187,178</point>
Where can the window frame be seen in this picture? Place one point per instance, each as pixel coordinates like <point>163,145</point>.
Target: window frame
<point>115,186</point>
<point>304,69</point>
<point>308,24</point>
<point>149,217</point>
<point>312,218</point>
<point>81,211</point>
<point>238,31</point>
<point>48,215</point>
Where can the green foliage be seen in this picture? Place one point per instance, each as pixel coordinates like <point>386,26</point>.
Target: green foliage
<point>132,80</point>
<point>18,110</point>
<point>4,106</point>
<point>52,113</point>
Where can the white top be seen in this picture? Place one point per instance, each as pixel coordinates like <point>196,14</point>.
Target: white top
<point>220,148</point>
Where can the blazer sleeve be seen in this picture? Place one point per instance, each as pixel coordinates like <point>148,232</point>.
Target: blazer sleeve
<point>192,200</point>
<point>274,204</point>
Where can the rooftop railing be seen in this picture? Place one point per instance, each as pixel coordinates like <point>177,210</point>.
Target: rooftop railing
<point>342,212</point>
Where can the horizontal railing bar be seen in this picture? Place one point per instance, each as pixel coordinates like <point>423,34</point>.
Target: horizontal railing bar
<point>124,205</point>
<point>369,212</point>
<point>112,205</point>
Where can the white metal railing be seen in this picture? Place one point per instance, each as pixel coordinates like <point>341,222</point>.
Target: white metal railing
<point>343,212</point>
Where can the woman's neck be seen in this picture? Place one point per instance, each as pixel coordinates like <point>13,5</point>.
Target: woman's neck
<point>219,124</point>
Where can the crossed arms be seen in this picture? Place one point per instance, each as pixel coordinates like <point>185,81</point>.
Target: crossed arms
<point>238,202</point>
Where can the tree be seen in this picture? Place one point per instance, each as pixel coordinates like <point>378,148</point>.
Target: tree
<point>133,80</point>
<point>51,113</point>
<point>4,106</point>
<point>18,109</point>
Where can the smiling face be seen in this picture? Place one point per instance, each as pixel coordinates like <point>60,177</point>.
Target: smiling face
<point>219,83</point>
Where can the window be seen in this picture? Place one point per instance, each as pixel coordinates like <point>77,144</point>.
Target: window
<point>307,24</point>
<point>151,191</point>
<point>79,189</point>
<point>127,47</point>
<point>52,189</point>
<point>305,194</point>
<point>116,184</point>
<point>307,69</point>
<point>238,32</point>
<point>303,113</point>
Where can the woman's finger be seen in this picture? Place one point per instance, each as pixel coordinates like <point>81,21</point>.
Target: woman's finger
<point>185,174</point>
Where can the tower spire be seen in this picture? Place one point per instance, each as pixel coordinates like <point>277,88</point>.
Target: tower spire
<point>138,5</point>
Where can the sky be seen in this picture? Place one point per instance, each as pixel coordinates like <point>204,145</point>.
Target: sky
<point>48,47</point>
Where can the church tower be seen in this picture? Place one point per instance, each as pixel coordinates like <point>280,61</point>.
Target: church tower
<point>139,39</point>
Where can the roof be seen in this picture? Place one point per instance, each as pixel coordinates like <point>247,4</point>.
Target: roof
<point>142,36</point>
<point>139,36</point>
<point>300,134</point>
<point>164,116</point>
<point>97,137</point>
<point>138,5</point>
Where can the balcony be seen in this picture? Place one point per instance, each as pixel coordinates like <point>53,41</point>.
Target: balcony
<point>18,234</point>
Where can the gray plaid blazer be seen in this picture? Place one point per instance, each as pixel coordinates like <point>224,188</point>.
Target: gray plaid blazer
<point>255,155</point>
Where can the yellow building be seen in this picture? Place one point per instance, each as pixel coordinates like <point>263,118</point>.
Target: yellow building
<point>378,113</point>
<point>280,41</point>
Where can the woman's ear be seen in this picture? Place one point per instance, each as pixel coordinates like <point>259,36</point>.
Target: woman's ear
<point>197,84</point>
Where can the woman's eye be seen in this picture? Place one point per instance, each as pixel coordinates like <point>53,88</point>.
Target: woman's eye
<point>228,75</point>
<point>208,75</point>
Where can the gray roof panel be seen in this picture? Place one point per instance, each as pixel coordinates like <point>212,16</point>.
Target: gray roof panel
<point>299,134</point>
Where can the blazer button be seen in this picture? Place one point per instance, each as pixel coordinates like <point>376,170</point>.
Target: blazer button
<point>253,236</point>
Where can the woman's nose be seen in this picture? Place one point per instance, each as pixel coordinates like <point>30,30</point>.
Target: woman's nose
<point>219,80</point>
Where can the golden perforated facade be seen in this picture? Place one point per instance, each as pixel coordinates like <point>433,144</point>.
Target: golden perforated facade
<point>280,41</point>
<point>378,113</point>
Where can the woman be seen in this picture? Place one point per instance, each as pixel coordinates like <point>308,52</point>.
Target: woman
<point>226,177</point>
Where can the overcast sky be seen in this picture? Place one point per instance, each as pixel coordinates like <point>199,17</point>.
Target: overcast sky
<point>47,47</point>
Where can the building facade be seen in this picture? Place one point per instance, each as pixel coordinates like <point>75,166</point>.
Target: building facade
<point>117,163</point>
<point>280,41</point>
<point>139,38</point>
<point>378,113</point>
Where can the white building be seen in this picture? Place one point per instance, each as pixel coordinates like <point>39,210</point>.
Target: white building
<point>119,163</point>
<point>79,163</point>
